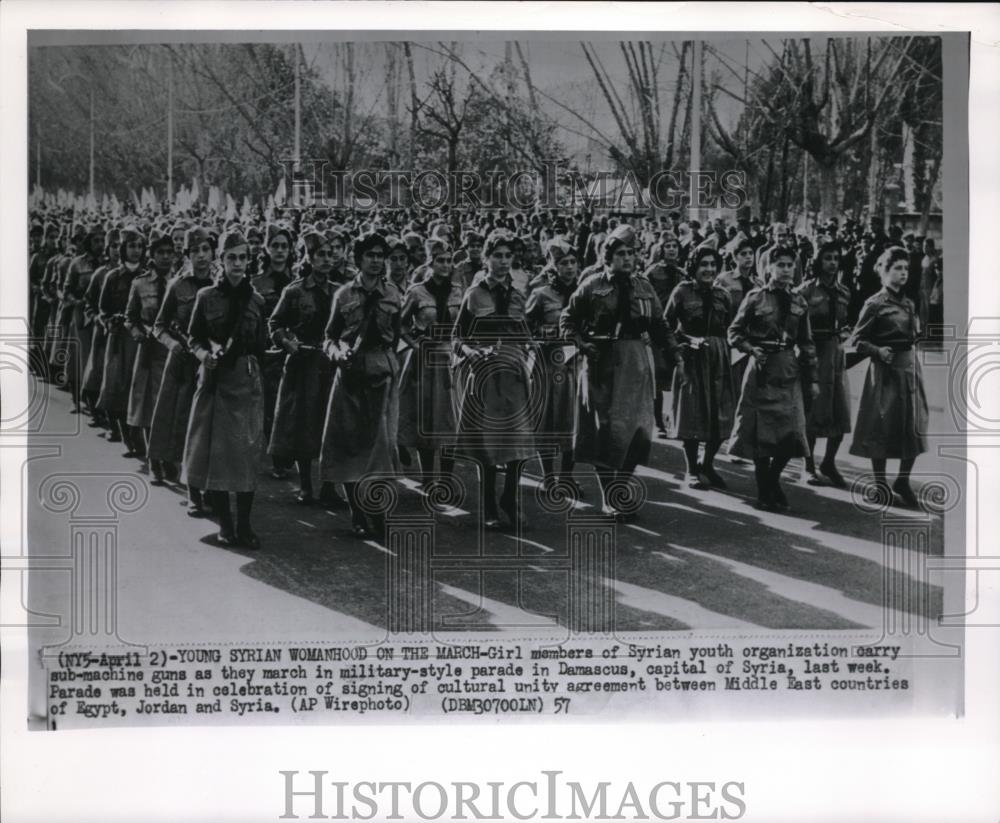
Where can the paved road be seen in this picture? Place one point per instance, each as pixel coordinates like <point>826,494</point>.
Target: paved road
<point>693,559</point>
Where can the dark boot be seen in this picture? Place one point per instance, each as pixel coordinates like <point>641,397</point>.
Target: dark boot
<point>245,536</point>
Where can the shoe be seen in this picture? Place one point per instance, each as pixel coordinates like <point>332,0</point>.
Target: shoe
<point>171,473</point>
<point>829,471</point>
<point>247,539</point>
<point>508,506</point>
<point>114,437</point>
<point>279,474</point>
<point>815,480</point>
<point>696,481</point>
<point>304,498</point>
<point>197,511</point>
<point>157,468</point>
<point>902,488</point>
<point>226,537</point>
<point>714,477</point>
<point>778,498</point>
<point>572,484</point>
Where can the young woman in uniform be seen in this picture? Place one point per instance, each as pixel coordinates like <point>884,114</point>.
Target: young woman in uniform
<point>552,372</point>
<point>225,435</point>
<point>495,427</point>
<point>426,413</point>
<point>699,312</point>
<point>362,418</point>
<point>772,326</point>
<point>296,326</point>
<point>828,414</point>
<point>180,373</point>
<point>892,417</point>
<point>613,317</point>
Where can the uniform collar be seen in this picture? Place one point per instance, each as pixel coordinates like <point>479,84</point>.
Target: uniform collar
<point>611,277</point>
<point>492,282</point>
<point>310,282</point>
<point>358,283</point>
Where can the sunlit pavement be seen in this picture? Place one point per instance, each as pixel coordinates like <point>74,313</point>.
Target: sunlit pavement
<point>691,559</point>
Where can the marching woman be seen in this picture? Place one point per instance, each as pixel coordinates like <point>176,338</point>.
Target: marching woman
<point>426,414</point>
<point>78,331</point>
<point>93,373</point>
<point>828,414</point>
<point>399,264</point>
<point>144,301</point>
<point>664,275</point>
<point>892,417</point>
<point>362,418</point>
<point>739,282</point>
<point>121,348</point>
<point>699,313</point>
<point>770,428</point>
<point>269,280</point>
<point>225,435</point>
<point>296,327</point>
<point>552,371</point>
<point>614,316</point>
<point>180,372</point>
<point>492,387</point>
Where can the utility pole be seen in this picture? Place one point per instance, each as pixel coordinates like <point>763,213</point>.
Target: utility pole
<point>91,188</point>
<point>38,162</point>
<point>170,132</point>
<point>695,165</point>
<point>805,192</point>
<point>298,109</point>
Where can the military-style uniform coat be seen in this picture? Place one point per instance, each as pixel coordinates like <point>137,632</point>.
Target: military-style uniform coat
<point>426,398</point>
<point>737,286</point>
<point>121,349</point>
<point>496,423</point>
<point>664,277</point>
<point>554,368</point>
<point>302,313</point>
<point>144,301</point>
<point>892,416</point>
<point>93,372</point>
<point>700,318</point>
<point>829,413</point>
<point>270,287</point>
<point>770,416</point>
<point>616,388</point>
<point>79,321</point>
<point>38,306</point>
<point>48,295</point>
<point>180,372</point>
<point>225,436</point>
<point>362,419</point>
<point>59,318</point>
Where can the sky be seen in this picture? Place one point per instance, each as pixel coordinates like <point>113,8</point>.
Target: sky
<point>558,68</point>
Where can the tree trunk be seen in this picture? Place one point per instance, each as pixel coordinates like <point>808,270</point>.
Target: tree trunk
<point>827,188</point>
<point>408,53</point>
<point>925,211</point>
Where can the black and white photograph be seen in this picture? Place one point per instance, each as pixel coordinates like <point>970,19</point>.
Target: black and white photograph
<point>456,376</point>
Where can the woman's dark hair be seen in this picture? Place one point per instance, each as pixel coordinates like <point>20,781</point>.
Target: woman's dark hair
<point>890,256</point>
<point>700,254</point>
<point>825,248</point>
